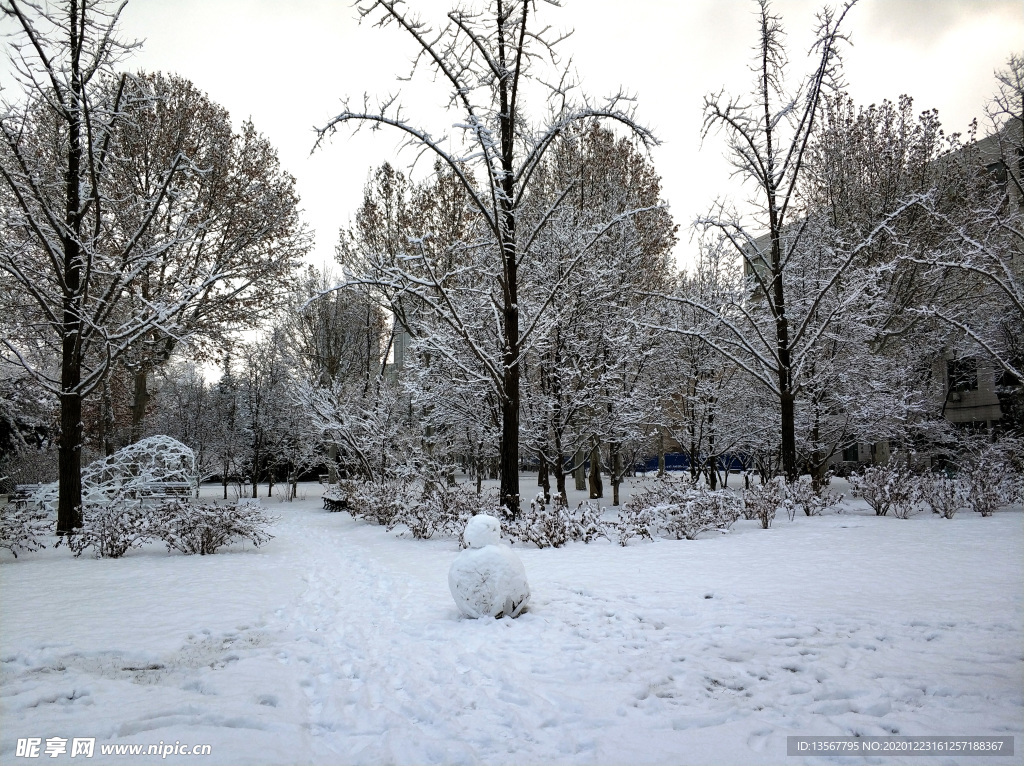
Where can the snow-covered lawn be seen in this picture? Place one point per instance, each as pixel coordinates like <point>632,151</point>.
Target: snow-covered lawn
<point>340,643</point>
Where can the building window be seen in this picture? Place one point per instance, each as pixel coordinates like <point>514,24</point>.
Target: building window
<point>998,172</point>
<point>851,454</point>
<point>962,375</point>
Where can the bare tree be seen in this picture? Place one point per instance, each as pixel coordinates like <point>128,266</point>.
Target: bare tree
<point>769,136</point>
<point>74,239</point>
<point>486,59</point>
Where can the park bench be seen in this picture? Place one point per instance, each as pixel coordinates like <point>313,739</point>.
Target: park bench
<point>334,500</point>
<point>167,490</point>
<point>23,493</point>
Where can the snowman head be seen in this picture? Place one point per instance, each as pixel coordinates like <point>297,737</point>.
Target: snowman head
<point>482,530</point>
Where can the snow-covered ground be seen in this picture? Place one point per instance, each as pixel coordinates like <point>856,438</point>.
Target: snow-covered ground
<point>340,643</point>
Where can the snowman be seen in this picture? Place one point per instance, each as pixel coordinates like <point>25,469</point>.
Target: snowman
<point>488,579</point>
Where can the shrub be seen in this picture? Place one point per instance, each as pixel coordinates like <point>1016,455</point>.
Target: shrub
<point>437,508</point>
<point>377,502</point>
<point>553,525</point>
<point>674,508</point>
<point>112,530</point>
<point>22,527</point>
<point>544,524</point>
<point>762,502</point>
<point>802,496</point>
<point>585,523</point>
<point>204,528</point>
<point>702,511</point>
<point>636,520</point>
<point>425,508</point>
<point>991,476</point>
<point>888,488</point>
<point>945,495</point>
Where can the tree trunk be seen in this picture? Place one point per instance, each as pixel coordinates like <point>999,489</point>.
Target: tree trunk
<point>817,459</point>
<point>787,407</point>
<point>69,452</point>
<point>579,473</point>
<point>332,464</point>
<point>616,475</point>
<point>596,485</point>
<point>560,479</point>
<point>140,401</point>
<point>107,420</point>
<point>510,283</point>
<point>509,453</point>
<point>69,446</point>
<point>544,478</point>
<point>661,455</point>
<point>788,411</point>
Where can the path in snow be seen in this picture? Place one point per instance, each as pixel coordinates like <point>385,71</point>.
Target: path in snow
<point>338,643</point>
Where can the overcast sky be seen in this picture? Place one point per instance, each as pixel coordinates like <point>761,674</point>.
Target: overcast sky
<point>287,63</point>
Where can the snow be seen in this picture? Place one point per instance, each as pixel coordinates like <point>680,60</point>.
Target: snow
<point>338,642</point>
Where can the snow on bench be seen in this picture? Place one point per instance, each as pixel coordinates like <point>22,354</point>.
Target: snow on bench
<point>335,500</point>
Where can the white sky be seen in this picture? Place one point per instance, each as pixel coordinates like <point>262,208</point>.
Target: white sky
<point>287,63</point>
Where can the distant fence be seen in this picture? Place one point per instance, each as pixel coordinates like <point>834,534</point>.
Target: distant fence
<point>679,461</point>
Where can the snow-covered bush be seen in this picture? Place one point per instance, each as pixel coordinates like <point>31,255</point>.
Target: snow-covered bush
<point>425,508</point>
<point>674,508</point>
<point>802,496</point>
<point>553,524</point>
<point>21,528</point>
<point>378,502</point>
<point>543,524</point>
<point>204,528</point>
<point>762,502</point>
<point>945,495</point>
<point>585,524</point>
<point>111,530</point>
<point>636,519</point>
<point>992,476</point>
<point>487,579</point>
<point>988,492</point>
<point>888,489</point>
<point>703,511</point>
<point>441,509</point>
